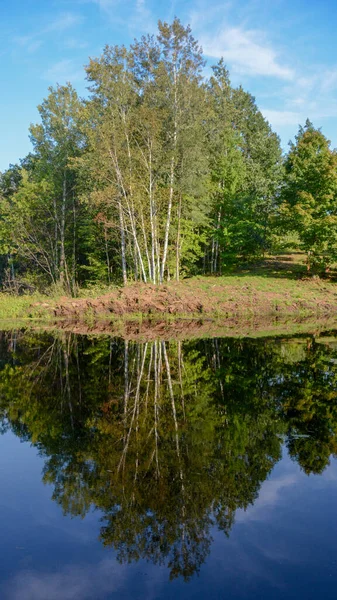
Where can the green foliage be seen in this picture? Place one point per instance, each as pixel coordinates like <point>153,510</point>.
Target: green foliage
<point>246,169</point>
<point>310,196</point>
<point>160,173</point>
<point>167,440</point>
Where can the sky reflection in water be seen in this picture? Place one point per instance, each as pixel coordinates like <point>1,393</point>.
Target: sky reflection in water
<point>193,470</point>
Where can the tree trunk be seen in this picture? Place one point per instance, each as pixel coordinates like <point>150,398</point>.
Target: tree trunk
<point>178,240</point>
<point>56,259</point>
<point>107,253</point>
<point>152,224</point>
<point>169,208</point>
<point>168,223</point>
<point>62,231</point>
<point>123,253</point>
<point>73,282</point>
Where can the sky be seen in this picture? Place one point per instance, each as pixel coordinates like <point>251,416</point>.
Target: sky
<point>282,51</point>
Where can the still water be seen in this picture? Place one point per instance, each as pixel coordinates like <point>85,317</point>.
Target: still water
<point>197,469</point>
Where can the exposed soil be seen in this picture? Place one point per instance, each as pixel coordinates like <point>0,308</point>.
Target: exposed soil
<point>135,299</point>
<point>199,307</point>
<point>273,296</point>
<point>207,297</point>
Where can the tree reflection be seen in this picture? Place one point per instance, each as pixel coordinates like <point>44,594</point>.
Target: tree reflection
<point>167,440</point>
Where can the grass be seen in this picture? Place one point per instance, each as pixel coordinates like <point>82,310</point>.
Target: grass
<point>22,309</point>
<point>275,290</point>
<point>18,307</point>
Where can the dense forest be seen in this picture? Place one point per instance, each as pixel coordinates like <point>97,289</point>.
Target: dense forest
<point>160,173</point>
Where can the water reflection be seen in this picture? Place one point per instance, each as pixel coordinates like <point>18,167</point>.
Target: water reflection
<point>167,439</point>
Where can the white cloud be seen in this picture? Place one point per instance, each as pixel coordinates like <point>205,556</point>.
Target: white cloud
<point>74,44</point>
<point>309,96</point>
<point>140,18</point>
<point>72,582</point>
<point>63,71</point>
<point>143,19</point>
<point>243,51</point>
<point>22,40</point>
<point>106,5</point>
<point>298,90</point>
<point>102,579</point>
<point>30,43</point>
<point>329,83</point>
<point>279,118</point>
<point>269,496</point>
<point>63,22</point>
<point>34,46</point>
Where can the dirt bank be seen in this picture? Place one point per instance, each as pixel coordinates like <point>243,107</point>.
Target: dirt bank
<point>226,298</point>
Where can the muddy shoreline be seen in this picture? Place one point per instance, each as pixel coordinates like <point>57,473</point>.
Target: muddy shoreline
<point>188,329</point>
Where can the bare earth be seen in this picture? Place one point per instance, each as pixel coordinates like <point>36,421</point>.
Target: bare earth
<point>273,297</point>
<point>222,297</point>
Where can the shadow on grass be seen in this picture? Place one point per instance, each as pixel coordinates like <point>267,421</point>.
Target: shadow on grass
<point>283,266</point>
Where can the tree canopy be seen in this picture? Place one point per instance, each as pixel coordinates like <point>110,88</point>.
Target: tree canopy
<point>160,173</point>
<point>310,195</point>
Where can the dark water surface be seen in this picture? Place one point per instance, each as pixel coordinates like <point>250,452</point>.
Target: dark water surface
<point>201,469</point>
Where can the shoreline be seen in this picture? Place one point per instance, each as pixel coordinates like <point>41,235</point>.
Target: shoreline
<point>189,329</point>
<point>239,305</point>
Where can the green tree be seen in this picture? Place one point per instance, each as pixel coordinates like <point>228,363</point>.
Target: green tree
<point>161,173</point>
<point>27,226</point>
<point>310,195</point>
<point>56,140</point>
<point>245,167</point>
<point>146,158</point>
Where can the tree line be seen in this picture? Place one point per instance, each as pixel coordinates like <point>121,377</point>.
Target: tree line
<point>160,173</point>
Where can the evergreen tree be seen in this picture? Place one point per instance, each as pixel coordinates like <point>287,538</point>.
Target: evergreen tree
<point>310,195</point>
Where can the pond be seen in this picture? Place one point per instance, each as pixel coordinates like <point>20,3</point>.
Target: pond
<point>194,469</point>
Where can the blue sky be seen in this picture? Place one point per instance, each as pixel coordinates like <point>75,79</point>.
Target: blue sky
<point>282,51</point>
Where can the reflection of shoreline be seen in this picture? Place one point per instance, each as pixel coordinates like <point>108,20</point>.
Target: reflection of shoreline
<point>168,439</point>
<point>183,329</point>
